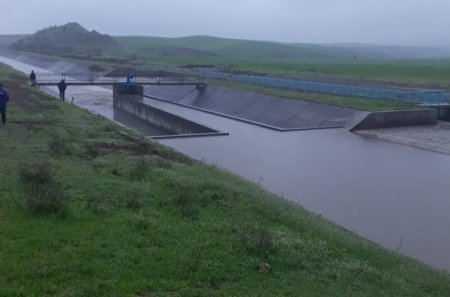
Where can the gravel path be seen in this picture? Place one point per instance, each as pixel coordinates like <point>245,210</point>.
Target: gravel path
<point>432,138</point>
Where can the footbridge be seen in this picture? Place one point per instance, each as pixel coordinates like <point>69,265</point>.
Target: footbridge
<point>99,79</point>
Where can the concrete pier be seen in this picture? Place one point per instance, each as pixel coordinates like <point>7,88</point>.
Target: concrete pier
<point>129,98</point>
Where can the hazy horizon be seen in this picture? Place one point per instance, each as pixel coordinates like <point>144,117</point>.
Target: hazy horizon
<point>403,23</point>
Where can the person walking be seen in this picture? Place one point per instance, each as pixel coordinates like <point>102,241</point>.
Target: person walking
<point>33,78</point>
<point>4,98</point>
<point>62,89</point>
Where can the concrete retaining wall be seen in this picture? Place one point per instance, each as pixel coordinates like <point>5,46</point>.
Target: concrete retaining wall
<point>444,114</point>
<point>389,119</point>
<point>129,98</point>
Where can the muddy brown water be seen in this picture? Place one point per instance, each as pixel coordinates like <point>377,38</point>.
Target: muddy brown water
<point>394,195</point>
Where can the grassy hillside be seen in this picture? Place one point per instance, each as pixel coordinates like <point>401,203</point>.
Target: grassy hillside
<point>232,48</point>
<point>363,64</point>
<point>316,62</point>
<point>86,210</point>
<point>238,48</point>
<point>71,38</point>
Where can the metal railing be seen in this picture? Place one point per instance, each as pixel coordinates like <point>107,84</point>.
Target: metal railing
<point>417,96</point>
<point>95,78</point>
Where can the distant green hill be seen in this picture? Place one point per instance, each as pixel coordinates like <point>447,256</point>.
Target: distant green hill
<point>229,48</point>
<point>71,38</point>
<point>204,46</point>
<point>74,41</point>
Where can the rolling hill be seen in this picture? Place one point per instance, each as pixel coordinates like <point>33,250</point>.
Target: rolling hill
<point>69,39</point>
<point>74,40</point>
<point>235,48</point>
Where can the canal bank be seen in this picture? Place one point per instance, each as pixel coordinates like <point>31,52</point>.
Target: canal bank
<point>393,195</point>
<point>181,227</point>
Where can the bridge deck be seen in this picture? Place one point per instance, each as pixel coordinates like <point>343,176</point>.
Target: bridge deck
<point>110,83</point>
<point>98,79</point>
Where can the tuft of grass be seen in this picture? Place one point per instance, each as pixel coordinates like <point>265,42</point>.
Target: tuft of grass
<point>58,147</point>
<point>43,195</point>
<point>258,240</point>
<point>161,163</point>
<point>134,200</point>
<point>140,169</point>
<point>97,203</point>
<point>142,221</point>
<point>186,202</point>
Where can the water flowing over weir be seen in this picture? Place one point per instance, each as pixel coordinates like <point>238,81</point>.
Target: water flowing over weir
<point>394,195</point>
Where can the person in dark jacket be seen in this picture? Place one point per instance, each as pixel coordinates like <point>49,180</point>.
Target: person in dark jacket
<point>33,78</point>
<point>62,89</point>
<point>4,98</point>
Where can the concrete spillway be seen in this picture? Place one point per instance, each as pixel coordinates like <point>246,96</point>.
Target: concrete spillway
<point>274,112</point>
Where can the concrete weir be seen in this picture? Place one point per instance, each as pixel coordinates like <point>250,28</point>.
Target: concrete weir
<point>129,98</point>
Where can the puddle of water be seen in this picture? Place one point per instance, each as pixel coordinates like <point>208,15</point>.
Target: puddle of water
<point>396,196</point>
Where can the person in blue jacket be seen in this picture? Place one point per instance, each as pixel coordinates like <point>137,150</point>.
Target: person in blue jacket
<point>4,98</point>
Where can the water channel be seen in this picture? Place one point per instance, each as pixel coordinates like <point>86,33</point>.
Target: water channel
<point>394,195</point>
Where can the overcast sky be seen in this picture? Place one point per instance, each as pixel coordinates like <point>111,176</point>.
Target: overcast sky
<point>392,22</point>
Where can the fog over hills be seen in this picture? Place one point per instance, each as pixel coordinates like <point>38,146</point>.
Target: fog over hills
<point>73,38</point>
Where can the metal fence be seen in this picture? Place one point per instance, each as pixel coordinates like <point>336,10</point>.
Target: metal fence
<point>424,97</point>
<point>89,77</point>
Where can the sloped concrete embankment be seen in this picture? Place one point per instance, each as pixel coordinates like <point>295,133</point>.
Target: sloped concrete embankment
<point>273,112</point>
<point>392,119</point>
<point>56,66</point>
<point>130,99</point>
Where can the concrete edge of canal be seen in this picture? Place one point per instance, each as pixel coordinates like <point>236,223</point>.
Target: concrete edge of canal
<point>391,119</point>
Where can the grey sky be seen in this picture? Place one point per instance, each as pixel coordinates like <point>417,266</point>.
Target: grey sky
<point>402,22</point>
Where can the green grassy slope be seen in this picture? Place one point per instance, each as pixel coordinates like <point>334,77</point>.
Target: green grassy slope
<point>132,218</point>
<point>290,60</point>
<point>299,61</point>
<point>235,48</point>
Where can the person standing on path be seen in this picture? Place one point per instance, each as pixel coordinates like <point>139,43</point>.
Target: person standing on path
<point>4,98</point>
<point>33,78</point>
<point>62,89</point>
